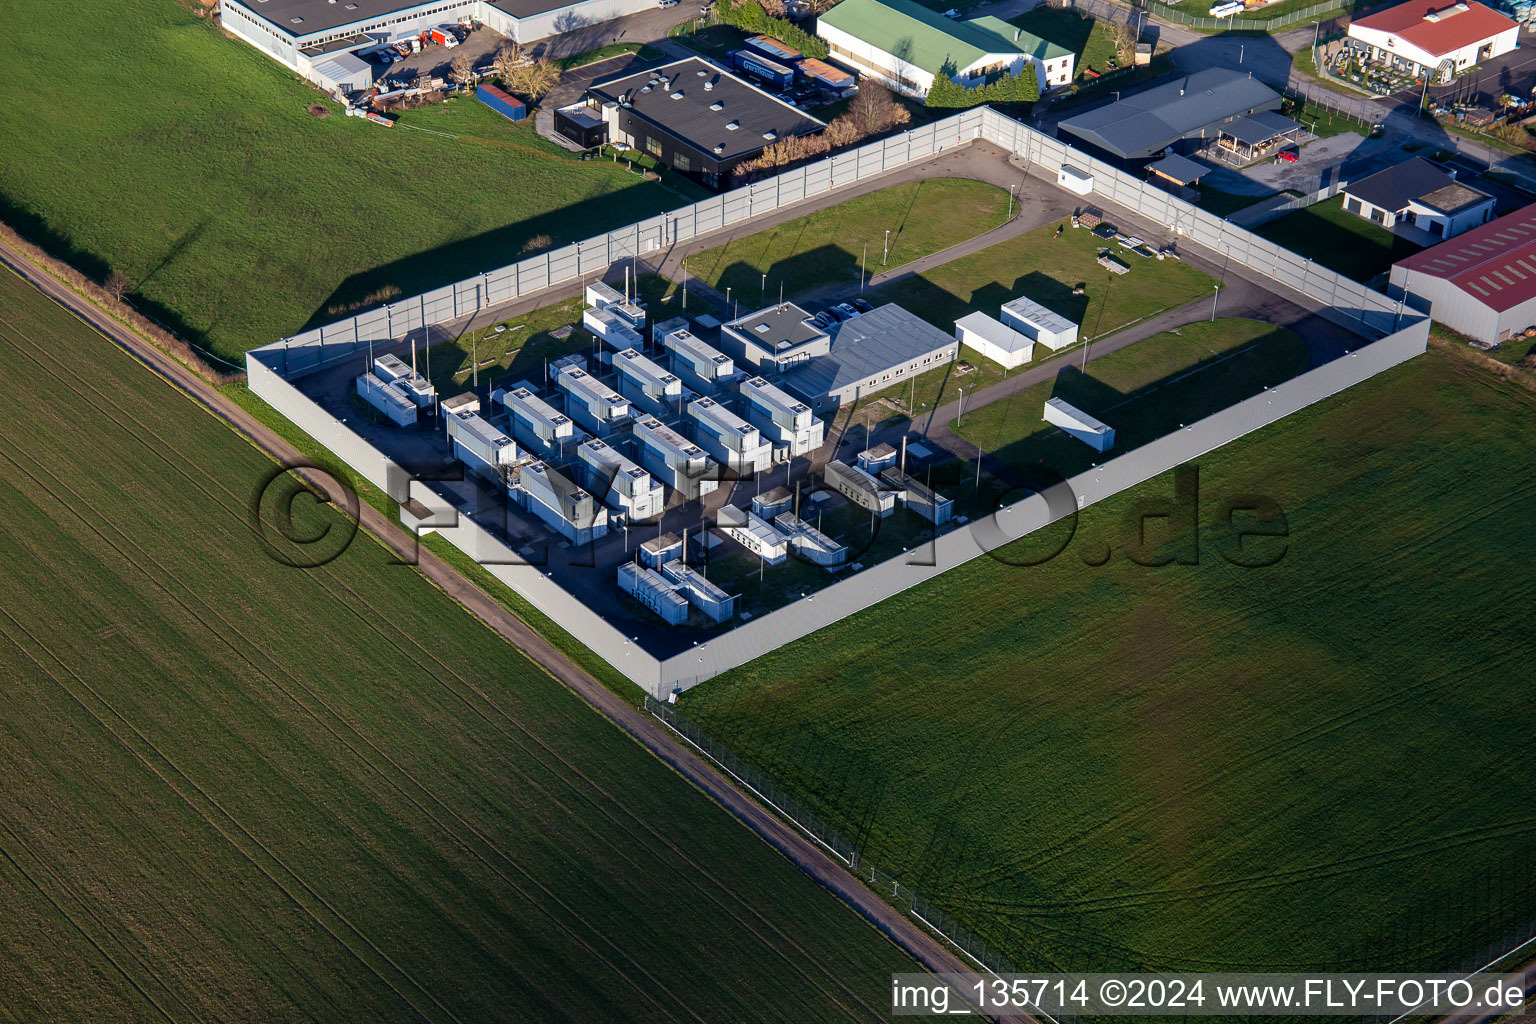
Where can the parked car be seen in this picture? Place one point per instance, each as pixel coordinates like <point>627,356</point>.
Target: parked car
<point>1288,155</point>
<point>824,319</point>
<point>669,3</point>
<point>846,311</point>
<point>863,305</point>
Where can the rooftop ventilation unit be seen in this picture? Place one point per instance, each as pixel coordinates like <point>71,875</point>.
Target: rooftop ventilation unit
<point>717,105</point>
<point>678,95</point>
<point>732,126</point>
<point>708,86</point>
<point>720,149</point>
<point>770,135</point>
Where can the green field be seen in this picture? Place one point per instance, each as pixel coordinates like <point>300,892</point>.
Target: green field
<point>1047,269</point>
<point>1337,239</point>
<point>826,247</point>
<point>239,791</point>
<point>187,161</point>
<point>1322,764</point>
<point>1144,391</point>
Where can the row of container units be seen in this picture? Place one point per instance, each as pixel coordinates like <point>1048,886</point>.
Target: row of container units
<point>752,532</point>
<point>618,481</point>
<point>388,398</point>
<point>538,426</point>
<point>394,370</point>
<point>484,448</point>
<point>551,496</point>
<point>994,340</point>
<point>703,367</point>
<point>651,591</point>
<point>677,461</point>
<point>729,439</point>
<point>616,332</point>
<point>788,423</point>
<point>776,54</point>
<point>650,387</point>
<point>596,406</point>
<point>860,488</point>
<point>919,497</point>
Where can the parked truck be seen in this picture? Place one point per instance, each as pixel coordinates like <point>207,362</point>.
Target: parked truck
<point>761,67</point>
<point>444,37</point>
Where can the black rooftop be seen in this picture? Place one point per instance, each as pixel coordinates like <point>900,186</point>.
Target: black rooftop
<point>1395,187</point>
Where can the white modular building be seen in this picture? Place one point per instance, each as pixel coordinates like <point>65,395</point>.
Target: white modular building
<point>590,402</point>
<point>810,543</point>
<point>681,464</point>
<point>658,551</point>
<point>787,423</point>
<point>703,367</point>
<point>731,440</point>
<point>752,532</point>
<point>994,339</point>
<point>388,398</point>
<point>618,481</point>
<point>606,324</point>
<point>1038,323</point>
<point>651,590</point>
<point>537,425</point>
<point>308,35</point>
<point>601,295</point>
<point>651,388</point>
<point>394,370</point>
<point>1096,435</point>
<point>860,488</point>
<point>480,446</point>
<point>918,496</point>
<point>571,511</point>
<point>701,593</point>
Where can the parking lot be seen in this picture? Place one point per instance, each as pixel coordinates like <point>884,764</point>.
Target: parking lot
<point>479,46</point>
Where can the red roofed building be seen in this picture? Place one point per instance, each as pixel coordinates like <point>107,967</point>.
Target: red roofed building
<point>1481,283</point>
<point>1434,37</point>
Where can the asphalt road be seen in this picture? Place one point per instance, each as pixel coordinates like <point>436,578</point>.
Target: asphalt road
<point>924,948</point>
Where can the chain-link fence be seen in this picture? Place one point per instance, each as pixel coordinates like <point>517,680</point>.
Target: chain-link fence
<point>1304,15</point>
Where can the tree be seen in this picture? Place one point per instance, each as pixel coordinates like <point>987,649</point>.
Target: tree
<point>947,94</point>
<point>874,110</point>
<point>506,61</point>
<point>754,17</point>
<point>116,285</point>
<point>462,71</point>
<point>841,131</point>
<point>533,79</point>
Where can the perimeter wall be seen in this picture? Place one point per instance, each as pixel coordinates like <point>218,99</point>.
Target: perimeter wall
<point>1389,335</point>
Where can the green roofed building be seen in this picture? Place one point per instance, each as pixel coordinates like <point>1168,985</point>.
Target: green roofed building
<point>906,45</point>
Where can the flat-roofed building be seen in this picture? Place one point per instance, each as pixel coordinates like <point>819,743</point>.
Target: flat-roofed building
<point>651,590</point>
<point>774,340</point>
<point>618,481</point>
<point>591,403</point>
<point>387,397</point>
<point>537,425</point>
<point>651,388</point>
<point>772,502</point>
<point>880,457</point>
<point>994,339</point>
<point>810,543</point>
<point>555,499</point>
<point>869,353</point>
<point>703,367</point>
<point>1038,323</point>
<point>601,295</point>
<point>701,593</point>
<point>731,440</point>
<point>1419,200</point>
<point>788,423</point>
<point>918,496</point>
<point>483,448</point>
<point>860,488</point>
<point>658,551</point>
<point>615,332</point>
<point>677,461</point>
<point>752,532</point>
<point>466,401</point>
<point>1095,434</point>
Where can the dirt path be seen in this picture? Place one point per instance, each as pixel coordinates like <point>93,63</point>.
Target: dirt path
<point>924,948</point>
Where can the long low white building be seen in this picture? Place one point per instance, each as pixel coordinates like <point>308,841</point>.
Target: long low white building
<point>1095,434</point>
<point>994,339</point>
<point>306,35</point>
<point>1038,323</point>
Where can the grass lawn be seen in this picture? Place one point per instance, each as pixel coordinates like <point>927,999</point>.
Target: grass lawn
<point>1047,269</point>
<point>235,790</point>
<point>1088,38</point>
<point>1326,233</point>
<point>1144,391</point>
<point>825,247</point>
<point>608,52</point>
<point>1318,765</point>
<point>195,170</point>
<point>715,41</point>
<point>1224,204</point>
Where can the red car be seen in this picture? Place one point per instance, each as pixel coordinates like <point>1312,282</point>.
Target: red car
<point>1288,155</point>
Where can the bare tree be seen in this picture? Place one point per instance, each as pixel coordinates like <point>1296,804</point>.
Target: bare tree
<point>874,110</point>
<point>534,79</point>
<point>116,285</point>
<point>462,71</point>
<point>507,61</point>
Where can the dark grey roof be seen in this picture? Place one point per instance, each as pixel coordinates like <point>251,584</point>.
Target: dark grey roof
<point>1260,127</point>
<point>1145,123</point>
<point>777,329</point>
<point>653,95</point>
<point>1395,187</point>
<point>324,16</point>
<point>1454,198</point>
<point>880,340</point>
<point>1180,168</point>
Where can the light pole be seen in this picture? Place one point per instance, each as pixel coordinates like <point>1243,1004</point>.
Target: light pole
<point>863,268</point>
<point>762,299</point>
<point>959,419</point>
<point>1010,201</point>
<point>887,254</point>
<point>1215,294</point>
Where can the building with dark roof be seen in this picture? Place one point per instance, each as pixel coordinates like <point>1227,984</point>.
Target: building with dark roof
<point>775,339</point>
<point>1481,284</point>
<point>1432,38</point>
<point>1181,115</point>
<point>1418,194</point>
<point>302,34</point>
<point>880,349</point>
<point>695,118</point>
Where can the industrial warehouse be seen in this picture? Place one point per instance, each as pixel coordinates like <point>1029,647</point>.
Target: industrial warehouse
<point>320,39</point>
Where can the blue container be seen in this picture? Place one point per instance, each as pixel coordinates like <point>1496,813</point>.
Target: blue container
<point>763,68</point>
<point>510,107</point>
